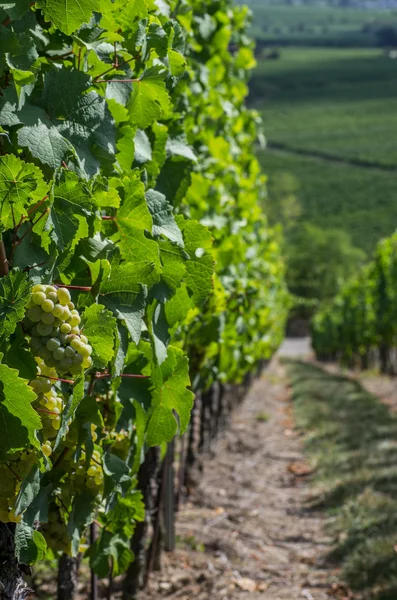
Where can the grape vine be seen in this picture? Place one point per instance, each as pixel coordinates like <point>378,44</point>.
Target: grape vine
<point>362,317</point>
<point>136,264</point>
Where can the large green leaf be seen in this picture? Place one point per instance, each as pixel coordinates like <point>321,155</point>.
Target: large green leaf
<point>14,296</point>
<point>170,393</point>
<point>68,15</point>
<point>100,328</point>
<point>149,100</point>
<point>125,298</point>
<point>18,420</point>
<point>163,219</point>
<point>30,545</point>
<point>200,267</point>
<point>21,186</point>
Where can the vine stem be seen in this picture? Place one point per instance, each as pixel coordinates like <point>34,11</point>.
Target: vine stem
<point>98,78</point>
<point>117,80</point>
<point>57,379</point>
<point>127,375</point>
<point>44,410</point>
<point>106,218</point>
<point>4,269</point>
<point>82,288</point>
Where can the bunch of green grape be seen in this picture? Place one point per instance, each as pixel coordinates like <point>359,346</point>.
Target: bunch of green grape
<point>53,324</point>
<point>93,476</point>
<point>49,404</point>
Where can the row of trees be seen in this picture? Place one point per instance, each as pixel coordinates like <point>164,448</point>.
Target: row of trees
<point>137,267</point>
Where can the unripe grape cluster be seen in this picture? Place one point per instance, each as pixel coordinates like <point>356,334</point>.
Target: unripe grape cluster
<point>53,324</point>
<point>93,476</point>
<point>49,404</point>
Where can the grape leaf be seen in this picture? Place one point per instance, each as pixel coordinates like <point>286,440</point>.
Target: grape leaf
<point>200,267</point>
<point>30,545</point>
<point>143,149</point>
<point>163,219</point>
<point>20,357</point>
<point>68,15</point>
<point>29,490</point>
<point>14,296</point>
<point>125,298</point>
<point>149,100</point>
<point>110,549</point>
<point>170,382</point>
<point>173,260</point>
<point>178,306</point>
<point>21,186</point>
<point>100,328</point>
<point>80,516</point>
<point>18,420</point>
<point>15,10</point>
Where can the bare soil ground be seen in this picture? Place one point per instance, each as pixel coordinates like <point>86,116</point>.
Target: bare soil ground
<point>248,531</point>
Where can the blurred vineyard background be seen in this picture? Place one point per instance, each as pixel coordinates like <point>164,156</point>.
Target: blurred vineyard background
<point>325,85</point>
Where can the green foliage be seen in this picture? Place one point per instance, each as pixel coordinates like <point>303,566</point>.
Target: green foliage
<point>335,261</point>
<point>126,177</point>
<point>363,314</point>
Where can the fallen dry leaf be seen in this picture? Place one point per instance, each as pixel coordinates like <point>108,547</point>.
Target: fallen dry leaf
<point>300,469</point>
<point>246,584</point>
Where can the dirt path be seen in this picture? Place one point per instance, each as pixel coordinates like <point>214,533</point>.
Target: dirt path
<point>248,533</point>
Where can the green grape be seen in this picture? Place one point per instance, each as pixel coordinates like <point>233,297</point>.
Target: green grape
<point>53,296</point>
<point>92,471</point>
<point>43,329</point>
<point>39,297</point>
<point>47,318</point>
<point>47,448</point>
<point>65,327</point>
<point>35,314</point>
<point>70,306</point>
<point>36,384</point>
<point>58,311</point>
<point>59,353</point>
<point>50,289</point>
<point>65,364</point>
<point>45,385</point>
<point>85,350</point>
<point>44,353</point>
<point>63,338</point>
<point>63,296</point>
<point>87,362</point>
<point>76,344</point>
<point>70,352</point>
<point>74,321</point>
<point>75,330</point>
<point>47,305</point>
<point>51,362</point>
<point>51,403</point>
<point>53,344</point>
<point>56,423</point>
<point>83,339</point>
<point>38,288</point>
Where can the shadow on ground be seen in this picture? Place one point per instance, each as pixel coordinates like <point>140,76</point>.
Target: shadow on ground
<point>352,439</point>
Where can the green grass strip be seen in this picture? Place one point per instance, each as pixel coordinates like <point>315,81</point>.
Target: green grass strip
<point>351,438</point>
